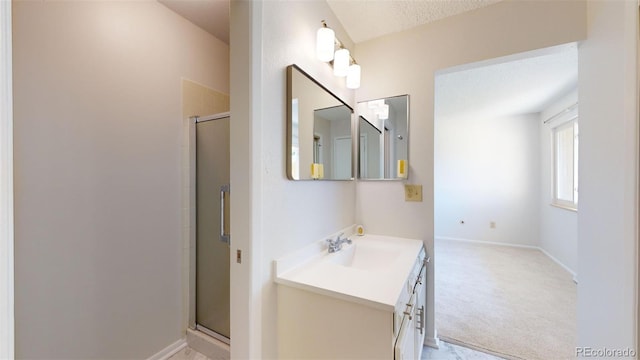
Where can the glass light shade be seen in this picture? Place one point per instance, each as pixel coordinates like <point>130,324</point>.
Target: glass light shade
<point>353,76</point>
<point>341,63</point>
<point>374,104</point>
<point>325,44</point>
<point>384,112</point>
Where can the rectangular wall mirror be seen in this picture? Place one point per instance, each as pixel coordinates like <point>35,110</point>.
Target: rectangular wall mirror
<point>383,131</point>
<point>319,131</point>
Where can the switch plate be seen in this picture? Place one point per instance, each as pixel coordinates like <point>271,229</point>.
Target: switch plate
<point>412,192</point>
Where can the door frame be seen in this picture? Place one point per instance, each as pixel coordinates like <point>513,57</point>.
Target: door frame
<point>7,336</point>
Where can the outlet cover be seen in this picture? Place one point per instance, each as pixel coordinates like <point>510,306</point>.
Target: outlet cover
<point>412,192</point>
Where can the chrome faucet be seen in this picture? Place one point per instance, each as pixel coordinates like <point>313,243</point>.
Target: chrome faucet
<point>336,245</point>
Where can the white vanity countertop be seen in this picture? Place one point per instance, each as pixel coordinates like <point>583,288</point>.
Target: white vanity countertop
<point>372,270</point>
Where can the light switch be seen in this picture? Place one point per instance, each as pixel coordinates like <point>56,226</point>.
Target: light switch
<point>412,192</point>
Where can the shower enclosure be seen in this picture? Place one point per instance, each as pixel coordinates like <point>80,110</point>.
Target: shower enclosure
<point>212,224</point>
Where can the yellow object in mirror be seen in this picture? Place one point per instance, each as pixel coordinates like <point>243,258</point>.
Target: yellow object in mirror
<point>317,171</point>
<point>402,168</point>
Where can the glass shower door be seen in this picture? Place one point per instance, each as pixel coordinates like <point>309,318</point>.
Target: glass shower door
<point>212,224</point>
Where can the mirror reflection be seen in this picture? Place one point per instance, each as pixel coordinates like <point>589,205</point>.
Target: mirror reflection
<point>318,131</point>
<point>383,130</point>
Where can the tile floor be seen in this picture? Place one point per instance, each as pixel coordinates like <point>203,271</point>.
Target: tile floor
<point>188,353</point>
<point>447,351</point>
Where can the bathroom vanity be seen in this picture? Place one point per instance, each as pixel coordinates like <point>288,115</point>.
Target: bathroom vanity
<point>366,301</point>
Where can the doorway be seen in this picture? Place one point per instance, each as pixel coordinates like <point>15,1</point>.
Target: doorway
<point>500,241</point>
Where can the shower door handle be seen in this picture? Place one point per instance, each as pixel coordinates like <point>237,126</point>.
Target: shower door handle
<point>225,237</point>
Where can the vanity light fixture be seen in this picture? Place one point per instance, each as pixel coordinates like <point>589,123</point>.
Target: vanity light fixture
<point>353,76</point>
<point>325,43</point>
<point>341,60</point>
<point>379,108</point>
<point>383,113</point>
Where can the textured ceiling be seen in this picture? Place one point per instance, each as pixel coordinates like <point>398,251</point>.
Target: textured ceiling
<point>522,86</point>
<point>362,19</point>
<point>368,19</point>
<point>210,15</point>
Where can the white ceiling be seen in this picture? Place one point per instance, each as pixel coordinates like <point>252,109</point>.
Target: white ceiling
<point>368,19</point>
<point>210,15</point>
<point>522,86</point>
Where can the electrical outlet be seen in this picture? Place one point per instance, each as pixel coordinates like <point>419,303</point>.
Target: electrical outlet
<point>492,225</point>
<point>412,192</point>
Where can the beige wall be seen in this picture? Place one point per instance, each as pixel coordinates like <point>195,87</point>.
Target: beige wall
<point>498,30</point>
<point>199,100</point>
<point>98,115</point>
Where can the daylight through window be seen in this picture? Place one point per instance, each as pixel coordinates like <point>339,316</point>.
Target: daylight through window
<point>565,142</point>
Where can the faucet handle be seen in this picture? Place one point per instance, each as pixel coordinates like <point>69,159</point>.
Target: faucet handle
<point>339,236</point>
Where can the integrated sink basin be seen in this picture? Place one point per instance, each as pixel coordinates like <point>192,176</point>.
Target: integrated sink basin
<point>365,255</point>
<point>370,271</point>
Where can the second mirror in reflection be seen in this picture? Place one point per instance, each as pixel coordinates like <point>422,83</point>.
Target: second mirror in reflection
<point>383,126</point>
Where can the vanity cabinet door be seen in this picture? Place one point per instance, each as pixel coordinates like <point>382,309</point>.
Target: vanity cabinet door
<point>405,344</point>
<point>420,318</point>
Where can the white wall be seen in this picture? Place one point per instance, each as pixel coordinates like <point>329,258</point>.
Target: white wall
<point>97,96</point>
<point>486,169</point>
<point>502,29</point>
<point>558,227</point>
<point>608,165</point>
<point>272,216</point>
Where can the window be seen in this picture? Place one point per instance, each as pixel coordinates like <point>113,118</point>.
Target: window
<point>565,165</point>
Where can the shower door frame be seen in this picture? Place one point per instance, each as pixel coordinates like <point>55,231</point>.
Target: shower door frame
<point>189,191</point>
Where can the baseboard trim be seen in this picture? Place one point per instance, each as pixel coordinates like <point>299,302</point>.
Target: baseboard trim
<point>575,277</point>
<point>481,242</point>
<point>433,342</point>
<point>486,242</point>
<point>170,350</point>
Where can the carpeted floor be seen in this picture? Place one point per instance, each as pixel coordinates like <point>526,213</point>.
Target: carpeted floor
<point>513,302</point>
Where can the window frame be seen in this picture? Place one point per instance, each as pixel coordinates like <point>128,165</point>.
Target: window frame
<point>572,205</point>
